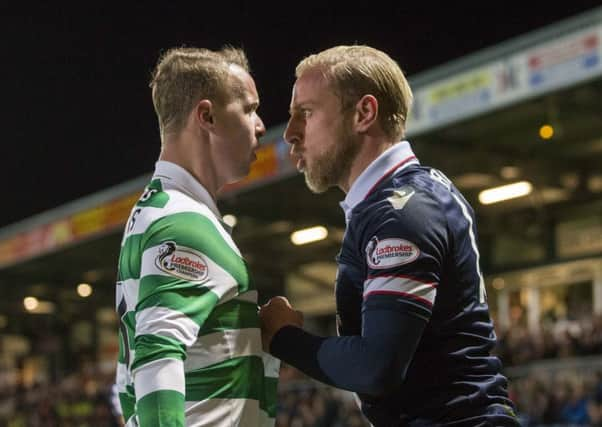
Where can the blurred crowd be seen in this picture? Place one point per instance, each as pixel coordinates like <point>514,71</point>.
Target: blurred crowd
<point>304,403</point>
<point>550,381</point>
<point>564,398</point>
<point>81,399</point>
<point>559,338</point>
<point>543,398</point>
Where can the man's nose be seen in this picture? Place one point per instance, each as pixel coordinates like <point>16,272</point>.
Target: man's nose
<point>291,135</point>
<point>259,128</point>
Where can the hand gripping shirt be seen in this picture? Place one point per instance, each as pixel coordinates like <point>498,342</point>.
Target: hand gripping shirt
<point>190,344</point>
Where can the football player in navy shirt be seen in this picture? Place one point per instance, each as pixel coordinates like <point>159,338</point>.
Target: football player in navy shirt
<point>415,334</point>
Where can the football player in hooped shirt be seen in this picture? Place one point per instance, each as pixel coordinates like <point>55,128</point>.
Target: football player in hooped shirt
<point>415,333</point>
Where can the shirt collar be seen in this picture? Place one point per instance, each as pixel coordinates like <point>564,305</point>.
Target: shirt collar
<point>392,160</point>
<point>175,177</point>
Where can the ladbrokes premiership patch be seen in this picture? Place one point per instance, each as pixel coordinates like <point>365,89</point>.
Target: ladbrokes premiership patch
<point>389,253</point>
<point>181,262</point>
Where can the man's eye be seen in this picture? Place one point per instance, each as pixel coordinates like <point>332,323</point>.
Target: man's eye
<point>306,113</point>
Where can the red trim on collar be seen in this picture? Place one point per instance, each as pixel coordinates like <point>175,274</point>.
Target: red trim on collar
<point>389,172</point>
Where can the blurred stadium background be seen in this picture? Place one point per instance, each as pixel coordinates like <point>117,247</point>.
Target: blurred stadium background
<point>526,112</point>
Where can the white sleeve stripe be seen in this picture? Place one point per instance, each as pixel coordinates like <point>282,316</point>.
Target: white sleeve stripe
<point>402,276</point>
<point>402,286</point>
<point>403,294</point>
<point>163,374</point>
<point>167,323</point>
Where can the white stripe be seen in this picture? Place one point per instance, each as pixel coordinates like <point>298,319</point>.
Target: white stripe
<point>249,296</point>
<point>114,401</point>
<point>129,289</point>
<point>149,214</point>
<point>265,420</point>
<point>118,295</point>
<point>122,377</point>
<point>166,323</point>
<point>219,280</point>
<point>223,413</point>
<point>425,291</point>
<point>473,242</point>
<point>271,365</point>
<point>132,358</point>
<point>132,422</point>
<point>223,345</point>
<point>139,222</point>
<point>164,374</point>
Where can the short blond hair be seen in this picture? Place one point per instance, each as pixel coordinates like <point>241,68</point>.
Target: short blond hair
<point>184,76</point>
<point>355,71</point>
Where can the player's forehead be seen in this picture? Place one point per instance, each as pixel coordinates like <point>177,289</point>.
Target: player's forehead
<point>311,88</point>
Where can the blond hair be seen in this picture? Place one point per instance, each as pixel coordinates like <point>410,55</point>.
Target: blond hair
<point>355,71</point>
<point>184,76</point>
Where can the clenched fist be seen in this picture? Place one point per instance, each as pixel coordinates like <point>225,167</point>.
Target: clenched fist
<point>275,314</point>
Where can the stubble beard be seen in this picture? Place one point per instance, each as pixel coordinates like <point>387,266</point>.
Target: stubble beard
<point>334,165</point>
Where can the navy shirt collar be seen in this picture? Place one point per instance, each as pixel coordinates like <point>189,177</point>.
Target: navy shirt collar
<point>392,160</point>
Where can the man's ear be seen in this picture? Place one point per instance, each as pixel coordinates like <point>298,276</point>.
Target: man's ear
<point>366,113</point>
<point>203,114</point>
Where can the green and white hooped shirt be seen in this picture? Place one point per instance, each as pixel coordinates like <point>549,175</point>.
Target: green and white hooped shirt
<point>190,343</point>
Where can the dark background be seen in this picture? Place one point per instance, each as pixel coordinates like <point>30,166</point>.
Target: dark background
<point>76,110</point>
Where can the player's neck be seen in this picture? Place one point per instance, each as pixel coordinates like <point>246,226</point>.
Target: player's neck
<point>370,149</point>
<point>191,153</point>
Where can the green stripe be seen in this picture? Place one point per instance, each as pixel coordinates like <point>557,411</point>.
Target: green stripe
<point>233,314</point>
<point>162,408</point>
<point>130,258</point>
<point>154,284</point>
<point>194,302</point>
<point>269,402</point>
<point>237,378</point>
<point>128,403</point>
<point>155,347</point>
<point>155,184</point>
<point>156,199</point>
